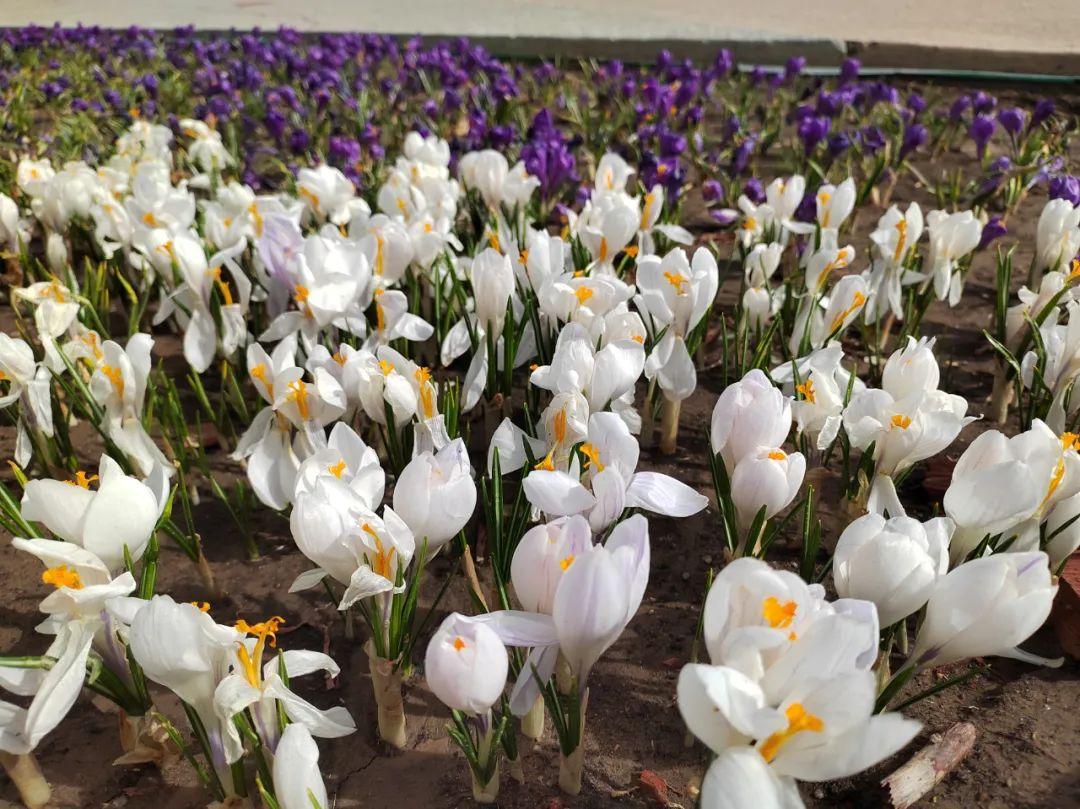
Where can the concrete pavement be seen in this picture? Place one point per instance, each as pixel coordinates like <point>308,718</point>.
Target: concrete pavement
<point>1027,36</point>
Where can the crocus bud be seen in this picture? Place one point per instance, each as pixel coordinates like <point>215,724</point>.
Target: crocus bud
<point>911,369</point>
<point>298,784</point>
<point>893,563</point>
<point>768,477</point>
<point>544,553</point>
<point>751,413</point>
<point>986,607</point>
<point>121,513</point>
<point>492,282</point>
<point>436,495</point>
<point>466,665</point>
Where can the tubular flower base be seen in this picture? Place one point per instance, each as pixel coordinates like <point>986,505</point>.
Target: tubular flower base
<point>532,723</point>
<point>570,770</point>
<point>486,793</point>
<point>387,684</point>
<point>669,426</point>
<point>26,775</point>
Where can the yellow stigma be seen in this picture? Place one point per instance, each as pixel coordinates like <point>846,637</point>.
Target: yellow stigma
<point>259,372</point>
<point>523,257</point>
<point>592,457</point>
<point>583,294</point>
<point>55,291</point>
<point>61,576</point>
<point>387,368</point>
<point>806,390</point>
<point>778,455</point>
<point>857,303</point>
<point>226,295</point>
<point>559,426</point>
<point>82,480</point>
<point>150,219</point>
<point>1070,441</point>
<point>382,560</point>
<point>565,562</point>
<point>1074,269</point>
<point>1055,481</point>
<point>310,196</point>
<point>402,206</point>
<point>901,241</point>
<point>116,377</point>
<point>427,391</point>
<point>901,421</point>
<point>336,469</point>
<point>251,662</point>
<point>823,199</point>
<point>749,224</point>
<point>603,249</point>
<point>798,721</point>
<point>548,464</point>
<point>301,294</point>
<point>677,280</point>
<point>459,643</point>
<point>777,615</point>
<point>201,606</point>
<point>256,218</point>
<point>299,395</point>
<point>646,209</point>
<point>493,240</point>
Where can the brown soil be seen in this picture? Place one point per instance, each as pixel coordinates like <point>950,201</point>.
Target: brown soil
<point>1027,752</point>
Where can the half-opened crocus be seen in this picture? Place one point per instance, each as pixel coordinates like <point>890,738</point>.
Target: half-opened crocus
<point>768,477</point>
<point>120,514</point>
<point>298,784</point>
<point>894,563</point>
<point>543,555</point>
<point>436,495</point>
<point>999,483</point>
<point>987,606</point>
<point>750,413</point>
<point>952,238</point>
<point>465,667</point>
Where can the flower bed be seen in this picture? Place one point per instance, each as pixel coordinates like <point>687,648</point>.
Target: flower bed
<point>530,359</point>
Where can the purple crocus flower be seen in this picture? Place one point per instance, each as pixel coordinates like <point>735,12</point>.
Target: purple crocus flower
<point>838,143</point>
<point>993,229</point>
<point>916,103</point>
<point>915,135</point>
<point>754,190</point>
<point>1065,186</point>
<point>1043,110</point>
<point>812,131</point>
<point>711,190</point>
<point>959,107</point>
<point>1012,119</point>
<point>982,129</point>
<point>849,70</point>
<point>794,67</point>
<point>983,102</point>
<point>740,158</point>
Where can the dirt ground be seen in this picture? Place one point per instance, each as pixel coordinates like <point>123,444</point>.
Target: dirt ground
<point>1027,752</point>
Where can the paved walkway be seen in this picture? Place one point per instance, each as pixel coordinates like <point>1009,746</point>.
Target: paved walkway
<point>1032,36</point>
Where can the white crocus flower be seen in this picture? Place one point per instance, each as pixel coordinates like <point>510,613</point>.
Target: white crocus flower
<point>602,377</point>
<point>986,607</point>
<point>1057,235</point>
<point>652,205</point>
<point>612,174</point>
<point>750,413</point>
<point>999,483</point>
<point>30,385</point>
<point>119,385</point>
<point>181,648</point>
<point>76,610</point>
<point>606,226</point>
<point>818,403</point>
<point>894,240</point>
<point>769,478</point>
<point>326,193</point>
<point>55,310</point>
<point>952,237</point>
<point>298,784</point>
<point>543,555</point>
<point>676,294</point>
<point>257,685</point>
<point>893,563</point>
<point>760,301</point>
<point>739,777</point>
<point>387,245</point>
<point>348,459</point>
<point>489,173</point>
<point>466,665</point>
<point>611,456</point>
<point>120,514</point>
<point>845,303</point>
<point>435,494</point>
